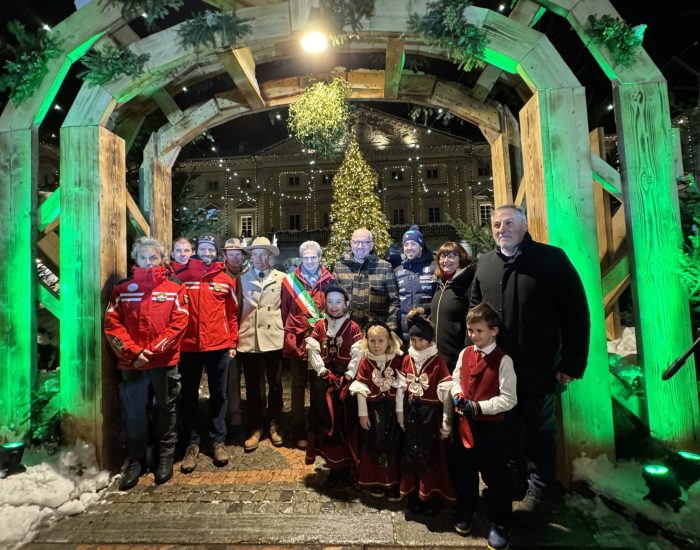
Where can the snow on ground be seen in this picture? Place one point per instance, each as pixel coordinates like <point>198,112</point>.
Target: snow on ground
<point>622,482</point>
<point>53,487</point>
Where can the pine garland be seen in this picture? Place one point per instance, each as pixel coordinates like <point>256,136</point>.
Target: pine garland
<point>319,118</point>
<point>27,62</point>
<point>355,205</point>
<point>214,28</point>
<point>104,65</point>
<point>339,14</point>
<point>428,115</point>
<point>154,9</point>
<point>621,40</point>
<point>444,26</point>
<point>480,238</point>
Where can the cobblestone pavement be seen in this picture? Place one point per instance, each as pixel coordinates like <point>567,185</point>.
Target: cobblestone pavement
<point>270,499</point>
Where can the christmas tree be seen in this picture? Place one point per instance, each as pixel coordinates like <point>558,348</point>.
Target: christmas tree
<point>355,205</point>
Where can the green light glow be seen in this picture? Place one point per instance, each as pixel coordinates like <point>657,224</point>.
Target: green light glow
<point>50,209</point>
<point>500,60</point>
<point>13,445</point>
<point>689,456</point>
<point>656,470</point>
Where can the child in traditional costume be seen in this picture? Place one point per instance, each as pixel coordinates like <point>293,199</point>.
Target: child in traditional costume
<point>375,388</point>
<point>334,353</point>
<point>424,411</point>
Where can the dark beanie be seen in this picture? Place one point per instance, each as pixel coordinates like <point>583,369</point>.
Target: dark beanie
<point>207,239</point>
<point>419,326</point>
<point>414,234</point>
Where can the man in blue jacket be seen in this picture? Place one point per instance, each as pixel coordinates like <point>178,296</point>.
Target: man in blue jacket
<point>414,277</point>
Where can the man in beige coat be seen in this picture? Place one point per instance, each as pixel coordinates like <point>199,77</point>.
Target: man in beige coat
<point>260,339</point>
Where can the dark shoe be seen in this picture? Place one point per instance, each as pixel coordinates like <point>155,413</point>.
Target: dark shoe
<point>377,492</point>
<point>189,462</point>
<point>414,503</point>
<point>462,523</point>
<point>393,494</point>
<point>427,508</point>
<point>333,478</point>
<point>302,443</point>
<point>164,471</point>
<point>497,538</point>
<point>221,456</point>
<point>253,441</point>
<point>275,434</point>
<point>131,475</point>
<point>530,510</point>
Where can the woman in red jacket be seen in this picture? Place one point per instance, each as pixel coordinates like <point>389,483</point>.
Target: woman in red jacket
<point>145,321</point>
<point>303,297</point>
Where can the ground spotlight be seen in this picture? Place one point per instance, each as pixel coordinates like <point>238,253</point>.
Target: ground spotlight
<point>11,458</point>
<point>687,467</point>
<point>314,42</point>
<point>663,486</point>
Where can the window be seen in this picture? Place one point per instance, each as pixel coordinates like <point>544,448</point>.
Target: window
<point>396,175</point>
<point>483,167</point>
<point>327,179</point>
<point>485,211</point>
<point>398,216</point>
<point>295,221</point>
<point>326,219</point>
<point>213,185</point>
<point>246,226</point>
<point>431,173</point>
<point>434,214</point>
<point>293,181</point>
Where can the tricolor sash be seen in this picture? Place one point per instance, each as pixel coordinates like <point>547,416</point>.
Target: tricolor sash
<point>302,298</point>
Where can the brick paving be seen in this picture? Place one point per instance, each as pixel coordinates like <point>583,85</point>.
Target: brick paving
<point>270,499</point>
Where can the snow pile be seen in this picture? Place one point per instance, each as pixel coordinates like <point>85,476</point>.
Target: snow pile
<point>627,345</point>
<point>622,482</point>
<point>54,487</point>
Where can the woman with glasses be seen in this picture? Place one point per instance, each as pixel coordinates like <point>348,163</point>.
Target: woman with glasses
<point>454,274</point>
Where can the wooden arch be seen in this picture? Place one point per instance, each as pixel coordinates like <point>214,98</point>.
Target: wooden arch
<point>95,207</point>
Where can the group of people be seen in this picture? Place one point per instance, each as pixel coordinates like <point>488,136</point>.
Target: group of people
<point>421,377</point>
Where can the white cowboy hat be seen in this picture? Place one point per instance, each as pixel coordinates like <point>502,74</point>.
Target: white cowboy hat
<point>264,243</point>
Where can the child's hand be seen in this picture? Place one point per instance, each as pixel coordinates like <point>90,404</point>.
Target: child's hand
<point>364,422</point>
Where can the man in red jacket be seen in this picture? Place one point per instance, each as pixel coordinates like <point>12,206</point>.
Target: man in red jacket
<point>303,300</point>
<point>209,343</point>
<point>145,321</point>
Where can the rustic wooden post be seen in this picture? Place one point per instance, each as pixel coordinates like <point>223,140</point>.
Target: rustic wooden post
<point>156,191</point>
<point>93,257</point>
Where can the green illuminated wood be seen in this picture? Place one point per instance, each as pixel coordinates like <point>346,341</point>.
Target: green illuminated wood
<point>138,225</point>
<point>49,300</point>
<point>395,59</point>
<point>18,219</point>
<point>93,258</point>
<point>561,212</point>
<point>653,222</point>
<point>50,209</point>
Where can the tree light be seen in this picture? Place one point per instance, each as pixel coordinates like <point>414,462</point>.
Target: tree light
<point>314,42</point>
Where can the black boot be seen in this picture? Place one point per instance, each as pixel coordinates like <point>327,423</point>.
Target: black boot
<point>165,469</point>
<point>131,475</point>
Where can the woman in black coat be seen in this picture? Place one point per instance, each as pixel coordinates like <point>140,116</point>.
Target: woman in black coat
<point>454,274</point>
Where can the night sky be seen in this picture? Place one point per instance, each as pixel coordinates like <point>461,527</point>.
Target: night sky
<point>671,40</point>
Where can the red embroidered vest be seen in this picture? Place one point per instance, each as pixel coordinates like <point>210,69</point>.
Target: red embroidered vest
<point>479,377</point>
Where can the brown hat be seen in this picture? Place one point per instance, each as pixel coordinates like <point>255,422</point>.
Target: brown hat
<point>235,244</point>
<point>263,243</point>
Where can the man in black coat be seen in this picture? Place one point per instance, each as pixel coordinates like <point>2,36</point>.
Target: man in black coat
<point>545,328</point>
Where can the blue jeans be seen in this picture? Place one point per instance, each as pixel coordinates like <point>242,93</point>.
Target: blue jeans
<point>192,364</point>
<point>135,402</point>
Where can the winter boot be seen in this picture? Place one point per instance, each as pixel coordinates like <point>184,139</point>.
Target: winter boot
<point>164,471</point>
<point>131,475</point>
<point>189,462</point>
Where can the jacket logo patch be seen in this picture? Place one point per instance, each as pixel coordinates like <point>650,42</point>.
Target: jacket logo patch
<point>132,287</point>
<point>217,287</point>
<point>186,299</point>
<point>426,269</point>
<point>117,343</point>
<point>161,297</point>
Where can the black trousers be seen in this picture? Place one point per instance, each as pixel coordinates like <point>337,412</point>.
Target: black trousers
<point>134,393</point>
<point>192,365</point>
<point>255,366</point>
<point>487,457</point>
<point>235,407</point>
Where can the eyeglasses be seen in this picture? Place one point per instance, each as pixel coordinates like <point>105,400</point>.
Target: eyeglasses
<point>361,243</point>
<point>449,255</point>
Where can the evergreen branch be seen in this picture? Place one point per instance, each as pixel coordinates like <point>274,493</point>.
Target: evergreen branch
<point>339,14</point>
<point>621,40</point>
<point>154,9</point>
<point>480,238</point>
<point>104,65</point>
<point>222,29</point>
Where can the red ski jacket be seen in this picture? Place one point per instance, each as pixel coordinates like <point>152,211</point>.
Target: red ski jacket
<point>213,306</point>
<point>147,311</point>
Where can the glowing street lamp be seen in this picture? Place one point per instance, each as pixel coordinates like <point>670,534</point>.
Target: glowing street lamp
<point>314,41</point>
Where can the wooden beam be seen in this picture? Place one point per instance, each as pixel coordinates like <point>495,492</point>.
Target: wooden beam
<point>502,182</point>
<point>606,176</point>
<point>155,193</point>
<point>393,67</point>
<point>50,209</point>
<point>167,104</point>
<point>50,247</point>
<point>240,66</point>
<point>128,125</point>
<point>520,197</point>
<point>93,258</point>
<point>49,300</point>
<point>615,274</point>
<point>137,221</point>
<point>125,36</point>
